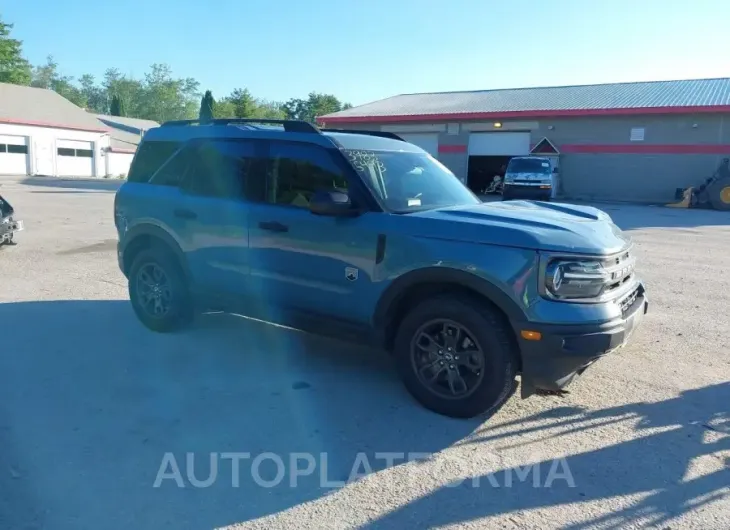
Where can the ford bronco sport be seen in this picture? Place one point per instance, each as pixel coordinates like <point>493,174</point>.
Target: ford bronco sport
<point>365,236</point>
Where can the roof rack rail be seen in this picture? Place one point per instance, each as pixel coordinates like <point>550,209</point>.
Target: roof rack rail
<point>382,134</point>
<point>289,125</point>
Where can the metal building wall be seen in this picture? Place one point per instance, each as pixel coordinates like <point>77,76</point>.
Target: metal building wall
<point>599,161</point>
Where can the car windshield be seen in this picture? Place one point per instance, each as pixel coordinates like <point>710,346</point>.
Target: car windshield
<point>408,181</point>
<point>528,165</point>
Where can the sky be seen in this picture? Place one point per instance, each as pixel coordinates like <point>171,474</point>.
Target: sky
<point>365,50</point>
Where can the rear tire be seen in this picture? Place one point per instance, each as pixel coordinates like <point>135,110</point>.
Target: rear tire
<point>159,292</point>
<point>487,331</point>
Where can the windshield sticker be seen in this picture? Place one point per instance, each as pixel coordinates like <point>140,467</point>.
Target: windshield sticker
<point>545,164</point>
<point>414,202</point>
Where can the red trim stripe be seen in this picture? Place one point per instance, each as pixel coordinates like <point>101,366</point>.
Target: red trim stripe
<point>452,149</point>
<point>52,125</point>
<point>525,114</point>
<point>659,149</point>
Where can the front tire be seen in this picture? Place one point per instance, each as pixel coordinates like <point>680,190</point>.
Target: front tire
<point>456,356</point>
<point>159,292</point>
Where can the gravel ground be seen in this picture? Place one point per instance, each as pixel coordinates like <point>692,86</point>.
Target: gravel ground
<point>90,404</point>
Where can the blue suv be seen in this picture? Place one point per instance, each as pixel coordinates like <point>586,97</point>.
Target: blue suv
<point>364,236</point>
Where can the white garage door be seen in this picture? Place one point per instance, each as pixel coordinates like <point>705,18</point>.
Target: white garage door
<point>429,142</point>
<point>13,155</point>
<point>74,158</point>
<point>499,144</point>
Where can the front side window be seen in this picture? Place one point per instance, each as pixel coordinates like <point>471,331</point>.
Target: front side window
<point>407,181</point>
<point>297,171</point>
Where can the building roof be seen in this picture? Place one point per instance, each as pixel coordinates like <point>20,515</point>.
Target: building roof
<point>125,133</point>
<point>25,105</point>
<point>656,97</point>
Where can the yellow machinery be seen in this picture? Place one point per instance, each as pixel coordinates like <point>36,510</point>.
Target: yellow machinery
<point>714,193</point>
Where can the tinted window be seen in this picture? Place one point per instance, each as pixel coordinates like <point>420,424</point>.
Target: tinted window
<point>173,172</point>
<point>297,171</point>
<point>149,158</point>
<point>225,168</point>
<point>19,149</point>
<point>64,151</point>
<point>528,165</point>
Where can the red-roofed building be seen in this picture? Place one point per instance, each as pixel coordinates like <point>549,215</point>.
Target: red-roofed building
<point>622,141</point>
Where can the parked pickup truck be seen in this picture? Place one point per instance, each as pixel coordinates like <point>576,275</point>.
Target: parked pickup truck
<point>8,224</point>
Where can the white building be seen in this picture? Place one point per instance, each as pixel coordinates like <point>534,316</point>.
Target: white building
<point>42,133</point>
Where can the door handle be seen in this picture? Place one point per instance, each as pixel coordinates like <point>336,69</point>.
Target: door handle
<point>273,226</point>
<point>185,214</point>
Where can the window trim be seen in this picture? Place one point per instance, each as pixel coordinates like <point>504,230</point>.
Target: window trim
<point>356,188</point>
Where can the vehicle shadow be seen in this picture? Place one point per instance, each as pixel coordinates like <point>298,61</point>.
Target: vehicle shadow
<point>98,184</point>
<point>91,402</point>
<point>661,464</point>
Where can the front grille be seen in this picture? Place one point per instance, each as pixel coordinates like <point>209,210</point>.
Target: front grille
<point>621,270</point>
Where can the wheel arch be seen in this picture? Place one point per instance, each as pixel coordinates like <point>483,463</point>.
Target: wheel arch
<point>145,237</point>
<point>423,283</point>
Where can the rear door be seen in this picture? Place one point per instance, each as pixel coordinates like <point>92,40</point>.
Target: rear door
<point>214,212</point>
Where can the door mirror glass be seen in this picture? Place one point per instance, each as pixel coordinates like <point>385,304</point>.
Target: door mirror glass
<point>333,203</point>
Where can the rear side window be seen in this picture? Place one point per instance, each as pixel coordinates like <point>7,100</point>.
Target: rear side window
<point>227,169</point>
<point>150,157</point>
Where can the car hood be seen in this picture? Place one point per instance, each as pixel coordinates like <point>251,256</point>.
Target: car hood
<point>528,224</point>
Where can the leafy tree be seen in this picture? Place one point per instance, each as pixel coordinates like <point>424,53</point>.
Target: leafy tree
<point>97,100</point>
<point>127,89</point>
<point>244,104</point>
<point>47,76</point>
<point>207,104</point>
<point>166,98</point>
<point>14,68</point>
<point>224,108</point>
<point>315,105</point>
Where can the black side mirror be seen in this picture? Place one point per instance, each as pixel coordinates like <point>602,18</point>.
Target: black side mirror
<point>333,203</point>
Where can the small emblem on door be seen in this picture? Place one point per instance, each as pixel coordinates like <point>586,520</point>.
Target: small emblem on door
<point>351,273</point>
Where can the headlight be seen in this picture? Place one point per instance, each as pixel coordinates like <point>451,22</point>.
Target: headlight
<point>571,279</point>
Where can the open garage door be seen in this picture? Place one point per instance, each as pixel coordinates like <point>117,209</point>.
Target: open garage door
<point>14,155</point>
<point>74,158</point>
<point>489,153</point>
<point>429,142</point>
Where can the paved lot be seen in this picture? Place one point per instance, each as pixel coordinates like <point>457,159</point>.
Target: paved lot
<point>90,402</point>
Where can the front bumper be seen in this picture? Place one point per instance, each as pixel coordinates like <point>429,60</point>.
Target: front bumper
<point>565,351</point>
<point>526,191</point>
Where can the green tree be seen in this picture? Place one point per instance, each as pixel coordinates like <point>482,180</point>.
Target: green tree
<point>128,90</point>
<point>207,104</point>
<point>47,76</point>
<point>96,97</point>
<point>244,104</point>
<point>116,108</point>
<point>315,105</point>
<point>14,68</point>
<point>224,108</point>
<point>165,98</point>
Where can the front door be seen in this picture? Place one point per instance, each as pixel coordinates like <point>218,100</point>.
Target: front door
<point>298,260</point>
